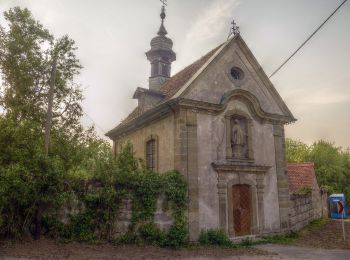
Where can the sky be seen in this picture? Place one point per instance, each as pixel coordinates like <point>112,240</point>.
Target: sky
<point>113,36</point>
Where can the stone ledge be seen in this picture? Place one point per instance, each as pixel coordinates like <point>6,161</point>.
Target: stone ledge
<point>239,166</point>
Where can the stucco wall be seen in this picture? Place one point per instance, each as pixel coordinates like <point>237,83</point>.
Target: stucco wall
<point>164,129</point>
<point>212,146</point>
<point>216,80</point>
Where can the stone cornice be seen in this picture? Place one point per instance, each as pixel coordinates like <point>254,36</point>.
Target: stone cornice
<point>238,94</point>
<point>147,117</point>
<point>167,107</point>
<point>239,166</point>
<point>139,91</point>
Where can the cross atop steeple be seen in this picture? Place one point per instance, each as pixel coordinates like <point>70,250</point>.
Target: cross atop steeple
<point>162,30</point>
<point>234,30</point>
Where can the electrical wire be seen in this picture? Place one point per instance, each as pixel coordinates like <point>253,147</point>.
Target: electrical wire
<point>100,128</point>
<point>302,45</point>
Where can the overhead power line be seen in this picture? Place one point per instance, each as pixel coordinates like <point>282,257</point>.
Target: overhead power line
<point>302,45</point>
<point>100,128</point>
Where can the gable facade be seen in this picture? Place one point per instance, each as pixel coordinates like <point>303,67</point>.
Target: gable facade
<point>225,133</point>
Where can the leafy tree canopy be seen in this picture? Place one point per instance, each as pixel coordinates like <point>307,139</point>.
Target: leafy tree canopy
<point>27,52</point>
<point>332,163</point>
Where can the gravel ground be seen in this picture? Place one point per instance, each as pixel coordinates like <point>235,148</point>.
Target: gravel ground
<point>329,236</point>
<point>326,237</point>
<point>298,253</point>
<point>49,249</point>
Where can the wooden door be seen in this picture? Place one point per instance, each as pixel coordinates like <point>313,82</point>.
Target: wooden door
<point>242,209</point>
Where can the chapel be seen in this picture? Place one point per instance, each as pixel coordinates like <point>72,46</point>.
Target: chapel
<point>220,122</point>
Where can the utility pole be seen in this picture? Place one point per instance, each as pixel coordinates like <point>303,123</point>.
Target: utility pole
<point>50,105</point>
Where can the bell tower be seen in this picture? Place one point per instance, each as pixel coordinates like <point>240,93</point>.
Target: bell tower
<point>160,55</point>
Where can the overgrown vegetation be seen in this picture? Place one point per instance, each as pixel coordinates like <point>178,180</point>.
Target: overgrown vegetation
<point>314,225</point>
<point>332,164</point>
<point>76,191</point>
<point>216,237</point>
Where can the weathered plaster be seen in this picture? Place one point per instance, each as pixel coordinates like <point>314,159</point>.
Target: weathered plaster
<point>215,80</point>
<point>164,130</point>
<point>212,147</point>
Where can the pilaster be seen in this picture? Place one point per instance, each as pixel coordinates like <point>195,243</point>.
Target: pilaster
<point>186,162</point>
<point>282,178</point>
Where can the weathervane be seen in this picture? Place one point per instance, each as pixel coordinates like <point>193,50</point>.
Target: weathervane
<point>234,29</point>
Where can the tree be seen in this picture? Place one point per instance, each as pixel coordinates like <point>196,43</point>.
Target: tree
<point>27,50</point>
<point>296,151</point>
<point>332,163</point>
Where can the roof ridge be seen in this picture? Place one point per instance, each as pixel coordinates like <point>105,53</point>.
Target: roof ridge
<point>175,83</point>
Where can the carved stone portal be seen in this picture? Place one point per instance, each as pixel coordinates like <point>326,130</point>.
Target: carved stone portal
<point>233,174</point>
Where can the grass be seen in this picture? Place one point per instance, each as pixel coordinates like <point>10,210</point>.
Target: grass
<point>315,225</point>
<point>293,236</point>
<point>279,239</point>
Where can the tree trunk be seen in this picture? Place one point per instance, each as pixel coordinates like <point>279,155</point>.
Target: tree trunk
<point>38,221</point>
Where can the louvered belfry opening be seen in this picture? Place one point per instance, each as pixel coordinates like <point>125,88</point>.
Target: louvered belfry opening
<point>151,154</point>
<point>242,209</point>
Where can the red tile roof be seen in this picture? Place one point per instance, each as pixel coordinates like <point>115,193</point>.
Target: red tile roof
<point>301,175</point>
<point>174,84</point>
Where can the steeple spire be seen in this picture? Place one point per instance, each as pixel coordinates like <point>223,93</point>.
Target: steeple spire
<point>162,30</point>
<point>161,55</point>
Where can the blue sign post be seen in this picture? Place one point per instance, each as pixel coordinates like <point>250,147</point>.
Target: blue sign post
<point>338,208</point>
<point>333,206</point>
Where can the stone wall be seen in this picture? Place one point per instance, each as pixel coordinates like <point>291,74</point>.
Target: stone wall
<point>161,217</point>
<point>306,208</point>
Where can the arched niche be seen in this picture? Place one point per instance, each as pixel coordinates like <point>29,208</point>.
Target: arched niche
<point>238,120</point>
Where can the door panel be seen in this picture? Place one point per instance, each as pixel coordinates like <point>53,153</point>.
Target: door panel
<point>242,209</point>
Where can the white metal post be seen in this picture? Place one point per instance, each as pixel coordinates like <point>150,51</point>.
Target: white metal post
<point>342,218</point>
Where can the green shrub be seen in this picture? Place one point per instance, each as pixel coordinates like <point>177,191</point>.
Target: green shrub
<point>247,242</point>
<point>151,234</point>
<point>304,190</point>
<point>177,235</point>
<point>214,237</point>
<point>127,238</point>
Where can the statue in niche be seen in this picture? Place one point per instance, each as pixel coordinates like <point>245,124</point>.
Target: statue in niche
<point>239,139</point>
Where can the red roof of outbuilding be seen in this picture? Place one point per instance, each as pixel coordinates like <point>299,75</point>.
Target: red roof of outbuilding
<point>301,175</point>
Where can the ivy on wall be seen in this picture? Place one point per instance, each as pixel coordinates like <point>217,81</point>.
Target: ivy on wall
<point>98,201</point>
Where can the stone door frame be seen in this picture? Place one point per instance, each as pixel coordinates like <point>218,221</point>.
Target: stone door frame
<point>229,207</point>
<point>229,174</point>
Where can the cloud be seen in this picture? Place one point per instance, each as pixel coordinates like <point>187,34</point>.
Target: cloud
<point>213,20</point>
<point>329,99</point>
<point>325,97</point>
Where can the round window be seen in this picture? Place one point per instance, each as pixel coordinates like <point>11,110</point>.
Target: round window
<point>237,73</point>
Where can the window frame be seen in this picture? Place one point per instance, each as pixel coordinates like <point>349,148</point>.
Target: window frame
<point>152,139</point>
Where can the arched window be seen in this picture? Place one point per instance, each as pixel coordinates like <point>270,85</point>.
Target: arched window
<point>151,156</point>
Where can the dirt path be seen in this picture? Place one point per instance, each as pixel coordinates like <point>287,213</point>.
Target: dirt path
<point>299,253</point>
<point>317,242</point>
<point>328,236</point>
<point>48,249</point>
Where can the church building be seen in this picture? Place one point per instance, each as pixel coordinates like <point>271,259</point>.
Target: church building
<point>219,122</point>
